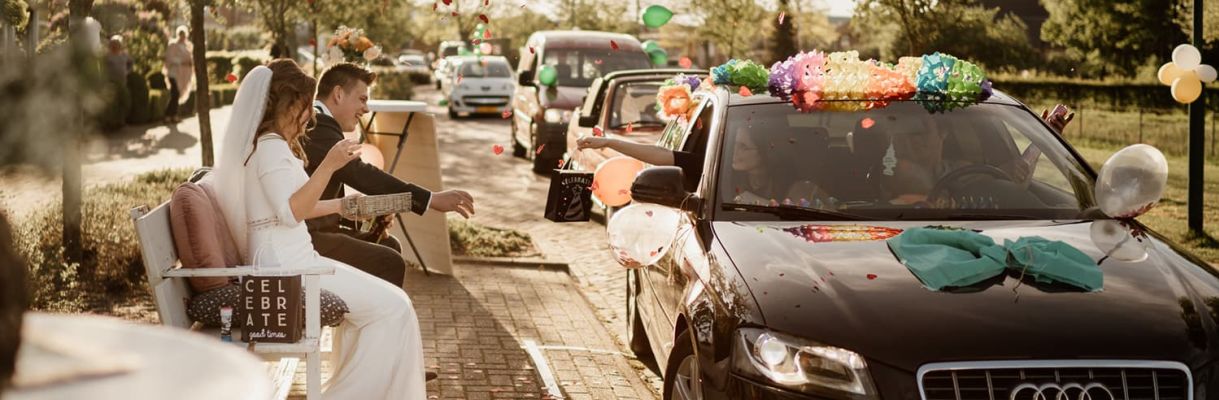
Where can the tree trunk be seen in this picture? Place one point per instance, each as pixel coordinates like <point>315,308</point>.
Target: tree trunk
<point>78,10</point>
<point>783,44</point>
<point>202,96</point>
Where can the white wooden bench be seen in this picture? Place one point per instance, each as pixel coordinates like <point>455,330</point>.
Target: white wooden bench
<point>168,283</point>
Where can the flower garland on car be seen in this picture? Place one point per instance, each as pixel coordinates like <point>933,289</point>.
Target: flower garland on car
<point>350,45</point>
<point>840,81</point>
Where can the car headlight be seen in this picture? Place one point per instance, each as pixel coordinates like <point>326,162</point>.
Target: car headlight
<point>803,365</point>
<point>555,116</point>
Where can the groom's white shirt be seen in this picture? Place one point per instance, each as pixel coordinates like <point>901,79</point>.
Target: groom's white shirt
<point>326,111</point>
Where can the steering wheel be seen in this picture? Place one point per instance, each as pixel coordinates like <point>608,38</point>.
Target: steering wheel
<point>956,178</point>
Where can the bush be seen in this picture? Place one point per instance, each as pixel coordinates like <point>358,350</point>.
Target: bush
<point>137,88</point>
<point>112,269</point>
<point>156,80</point>
<point>393,85</point>
<point>146,48</point>
<point>471,239</point>
<point>245,64</point>
<point>239,38</point>
<point>218,66</point>
<point>118,105</point>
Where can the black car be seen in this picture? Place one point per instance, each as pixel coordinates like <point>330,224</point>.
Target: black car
<point>766,293</point>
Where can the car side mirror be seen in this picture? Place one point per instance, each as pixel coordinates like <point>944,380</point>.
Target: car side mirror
<point>588,121</point>
<point>664,186</point>
<point>525,78</point>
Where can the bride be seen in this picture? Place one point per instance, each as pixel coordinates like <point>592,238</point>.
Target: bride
<point>265,195</point>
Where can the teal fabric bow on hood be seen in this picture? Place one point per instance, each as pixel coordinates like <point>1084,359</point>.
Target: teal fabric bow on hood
<point>953,258</point>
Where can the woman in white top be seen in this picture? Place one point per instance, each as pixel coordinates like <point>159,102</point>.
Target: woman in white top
<point>179,73</point>
<point>265,195</point>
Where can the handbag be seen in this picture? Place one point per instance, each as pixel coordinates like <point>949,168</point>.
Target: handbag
<point>570,196</point>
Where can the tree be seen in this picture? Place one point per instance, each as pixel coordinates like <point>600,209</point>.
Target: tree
<point>1114,37</point>
<point>596,15</point>
<point>730,24</point>
<point>783,42</point>
<point>202,95</point>
<point>78,10</point>
<point>896,28</point>
<point>277,17</point>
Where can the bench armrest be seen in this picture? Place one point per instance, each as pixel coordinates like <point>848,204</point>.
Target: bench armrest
<point>245,270</point>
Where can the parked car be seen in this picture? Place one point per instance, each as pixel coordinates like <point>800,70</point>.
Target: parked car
<point>451,48</point>
<point>541,113</point>
<point>803,299</point>
<point>620,104</point>
<point>443,71</point>
<point>482,85</point>
<point>416,66</point>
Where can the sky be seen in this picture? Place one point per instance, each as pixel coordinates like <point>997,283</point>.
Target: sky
<point>840,8</point>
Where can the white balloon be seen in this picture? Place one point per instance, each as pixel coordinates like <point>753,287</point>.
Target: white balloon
<point>485,47</point>
<point>1206,73</point>
<point>1186,57</point>
<point>641,234</point>
<point>1131,181</point>
<point>1117,242</point>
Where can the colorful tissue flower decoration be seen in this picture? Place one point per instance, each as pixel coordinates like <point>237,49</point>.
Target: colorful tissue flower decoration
<point>741,73</point>
<point>674,101</point>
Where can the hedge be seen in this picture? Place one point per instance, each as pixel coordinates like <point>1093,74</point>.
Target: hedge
<point>1117,96</point>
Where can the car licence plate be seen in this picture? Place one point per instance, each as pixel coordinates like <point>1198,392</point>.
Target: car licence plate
<point>486,109</point>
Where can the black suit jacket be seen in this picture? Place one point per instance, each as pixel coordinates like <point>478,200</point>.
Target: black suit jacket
<point>361,176</point>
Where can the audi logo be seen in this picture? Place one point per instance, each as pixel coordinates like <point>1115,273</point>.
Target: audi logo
<point>1054,391</point>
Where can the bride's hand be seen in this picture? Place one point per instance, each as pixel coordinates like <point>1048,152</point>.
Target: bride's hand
<point>342,153</point>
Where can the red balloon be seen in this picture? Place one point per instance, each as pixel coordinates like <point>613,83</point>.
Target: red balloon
<point>613,178</point>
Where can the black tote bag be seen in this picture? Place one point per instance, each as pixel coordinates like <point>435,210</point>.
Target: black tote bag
<point>569,198</point>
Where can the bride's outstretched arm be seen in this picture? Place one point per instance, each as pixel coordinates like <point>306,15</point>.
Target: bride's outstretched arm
<point>304,201</point>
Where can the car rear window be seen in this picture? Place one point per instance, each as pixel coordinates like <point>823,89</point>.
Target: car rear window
<point>485,69</point>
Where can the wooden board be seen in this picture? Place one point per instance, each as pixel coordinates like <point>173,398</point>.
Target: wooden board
<point>418,164</point>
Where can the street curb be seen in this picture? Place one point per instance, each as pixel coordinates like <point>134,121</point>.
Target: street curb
<point>530,262</point>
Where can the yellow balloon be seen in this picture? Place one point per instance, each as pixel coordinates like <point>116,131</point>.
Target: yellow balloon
<point>1186,89</point>
<point>1169,72</point>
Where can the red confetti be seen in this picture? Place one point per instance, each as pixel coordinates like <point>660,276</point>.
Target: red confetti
<point>476,41</point>
<point>623,191</point>
<point>867,123</point>
<point>507,113</point>
<point>782,15</point>
<point>649,213</point>
<point>484,18</point>
<point>497,149</point>
<point>531,51</point>
<point>454,13</point>
<point>653,253</point>
<point>486,3</point>
<point>560,163</point>
<point>448,2</point>
<point>487,34</point>
<point>630,127</point>
<point>685,62</point>
<point>435,5</point>
<point>540,148</point>
<point>597,61</point>
<point>745,91</point>
<point>458,78</point>
<point>597,132</point>
<point>230,78</point>
<point>871,276</point>
<point>613,45</point>
<point>312,42</point>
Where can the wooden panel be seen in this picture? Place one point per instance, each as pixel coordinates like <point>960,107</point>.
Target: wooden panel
<point>418,164</point>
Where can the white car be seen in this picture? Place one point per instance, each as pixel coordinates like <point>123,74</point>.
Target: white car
<point>480,85</point>
<point>443,70</point>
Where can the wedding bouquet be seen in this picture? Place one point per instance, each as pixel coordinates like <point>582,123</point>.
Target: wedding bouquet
<point>350,45</point>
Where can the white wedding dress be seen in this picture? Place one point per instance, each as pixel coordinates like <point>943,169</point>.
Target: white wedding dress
<point>377,352</point>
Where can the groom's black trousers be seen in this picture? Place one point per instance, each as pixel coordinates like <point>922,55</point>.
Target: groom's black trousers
<point>382,259</point>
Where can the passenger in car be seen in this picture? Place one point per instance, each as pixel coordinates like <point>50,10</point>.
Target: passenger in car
<point>917,161</point>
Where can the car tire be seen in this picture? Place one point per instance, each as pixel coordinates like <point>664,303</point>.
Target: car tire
<point>438,85</point>
<point>541,164</point>
<point>452,114</point>
<point>683,379</point>
<point>518,150</point>
<point>637,337</point>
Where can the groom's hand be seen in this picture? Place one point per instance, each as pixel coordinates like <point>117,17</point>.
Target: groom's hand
<point>453,200</point>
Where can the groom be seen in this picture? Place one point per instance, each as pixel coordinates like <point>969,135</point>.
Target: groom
<point>342,98</point>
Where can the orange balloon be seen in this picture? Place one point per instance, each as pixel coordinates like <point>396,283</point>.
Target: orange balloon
<point>370,154</point>
<point>613,178</point>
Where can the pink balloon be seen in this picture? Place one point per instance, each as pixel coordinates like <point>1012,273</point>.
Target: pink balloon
<point>372,155</point>
<point>613,178</point>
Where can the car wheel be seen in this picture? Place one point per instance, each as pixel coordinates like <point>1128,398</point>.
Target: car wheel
<point>437,84</point>
<point>636,336</point>
<point>541,164</point>
<point>683,379</point>
<point>452,114</point>
<point>517,149</point>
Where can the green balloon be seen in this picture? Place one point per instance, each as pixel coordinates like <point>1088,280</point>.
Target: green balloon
<point>548,75</point>
<point>656,16</point>
<point>649,45</point>
<point>659,57</point>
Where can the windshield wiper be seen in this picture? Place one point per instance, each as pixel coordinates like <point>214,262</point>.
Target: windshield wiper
<point>794,212</point>
<point>638,124</point>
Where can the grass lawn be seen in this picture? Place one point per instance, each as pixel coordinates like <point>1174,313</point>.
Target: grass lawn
<point>1169,217</point>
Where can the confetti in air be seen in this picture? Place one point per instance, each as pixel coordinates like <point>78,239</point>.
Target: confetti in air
<point>782,15</point>
<point>497,149</point>
<point>614,45</point>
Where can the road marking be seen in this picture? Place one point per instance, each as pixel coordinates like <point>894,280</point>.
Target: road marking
<point>539,360</point>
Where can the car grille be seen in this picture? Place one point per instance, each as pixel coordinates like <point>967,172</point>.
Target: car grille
<point>999,383</point>
<point>485,100</point>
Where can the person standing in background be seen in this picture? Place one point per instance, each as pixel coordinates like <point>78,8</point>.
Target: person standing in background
<point>118,63</point>
<point>179,72</point>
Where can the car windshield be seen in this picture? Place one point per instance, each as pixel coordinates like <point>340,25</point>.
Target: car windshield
<point>579,67</point>
<point>485,69</point>
<point>634,103</point>
<point>900,162</point>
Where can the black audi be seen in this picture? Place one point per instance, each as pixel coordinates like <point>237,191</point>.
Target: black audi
<point>782,280</point>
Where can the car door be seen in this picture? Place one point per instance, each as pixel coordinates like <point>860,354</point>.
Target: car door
<point>525,97</point>
<point>665,281</point>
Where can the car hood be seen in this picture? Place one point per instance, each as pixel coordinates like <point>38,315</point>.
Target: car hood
<point>561,97</point>
<point>857,295</point>
<point>493,84</point>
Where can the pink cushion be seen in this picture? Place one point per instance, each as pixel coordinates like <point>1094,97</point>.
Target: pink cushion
<point>201,236</point>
